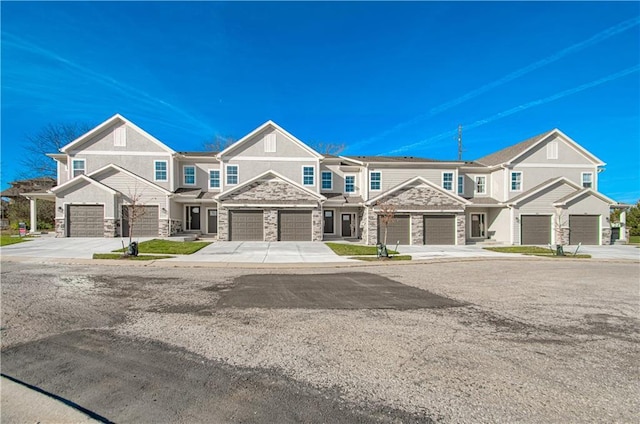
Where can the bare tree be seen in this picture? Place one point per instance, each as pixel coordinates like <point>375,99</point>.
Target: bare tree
<point>327,148</point>
<point>135,210</point>
<point>218,143</point>
<point>49,139</point>
<point>560,221</point>
<point>387,216</point>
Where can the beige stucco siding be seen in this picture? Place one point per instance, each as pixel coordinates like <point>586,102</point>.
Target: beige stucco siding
<point>285,147</point>
<point>566,155</point>
<point>339,173</point>
<point>63,173</point>
<point>135,142</point>
<point>202,173</point>
<point>497,184</point>
<point>543,201</point>
<point>249,169</point>
<point>392,177</point>
<point>85,193</point>
<point>532,177</point>
<point>498,224</point>
<point>589,205</point>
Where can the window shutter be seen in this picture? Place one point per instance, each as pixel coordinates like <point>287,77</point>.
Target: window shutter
<point>270,143</point>
<point>120,137</point>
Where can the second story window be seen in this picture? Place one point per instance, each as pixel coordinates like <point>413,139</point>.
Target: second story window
<point>214,178</point>
<point>587,179</point>
<point>160,170</point>
<point>79,167</point>
<point>327,180</point>
<point>375,181</point>
<point>516,181</point>
<point>481,185</point>
<point>447,181</point>
<point>308,176</point>
<point>189,175</point>
<point>349,183</point>
<point>232,174</point>
<point>461,184</point>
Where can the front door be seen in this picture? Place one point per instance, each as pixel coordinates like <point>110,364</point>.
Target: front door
<point>212,221</point>
<point>346,225</point>
<point>193,217</point>
<point>328,222</point>
<point>477,225</point>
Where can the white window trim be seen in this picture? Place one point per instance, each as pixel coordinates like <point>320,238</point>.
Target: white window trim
<point>370,181</point>
<point>72,168</point>
<point>475,184</point>
<point>226,174</point>
<point>166,171</point>
<point>313,169</point>
<point>330,180</point>
<point>355,186</point>
<point>454,181</point>
<point>593,183</point>
<point>460,192</point>
<point>219,178</point>
<point>511,181</point>
<point>184,175</point>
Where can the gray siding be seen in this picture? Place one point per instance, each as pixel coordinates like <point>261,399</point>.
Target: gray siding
<point>497,185</point>
<point>392,177</point>
<point>136,142</point>
<point>85,193</point>
<point>589,205</point>
<point>285,147</point>
<point>566,155</point>
<point>289,169</point>
<point>532,177</point>
<point>202,173</point>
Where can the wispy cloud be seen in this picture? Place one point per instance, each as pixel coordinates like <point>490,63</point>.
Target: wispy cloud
<point>597,38</point>
<point>140,98</point>
<point>517,109</point>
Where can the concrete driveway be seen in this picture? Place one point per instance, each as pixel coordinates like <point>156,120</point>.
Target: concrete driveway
<point>77,248</point>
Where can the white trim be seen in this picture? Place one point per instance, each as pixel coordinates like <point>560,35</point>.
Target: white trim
<point>587,191</point>
<point>184,175</point>
<point>320,197</point>
<point>330,180</point>
<point>453,179</point>
<point>420,180</point>
<point>79,178</point>
<point>564,180</point>
<point>270,158</point>
<point>313,168</point>
<point>131,174</point>
<point>355,185</point>
<point>269,205</point>
<point>593,183</point>
<point>219,179</point>
<point>166,162</point>
<point>72,168</point>
<point>475,185</point>
<point>226,174</point>
<point>117,152</point>
<point>551,165</point>
<point>510,182</point>
<point>458,180</point>
<point>370,181</point>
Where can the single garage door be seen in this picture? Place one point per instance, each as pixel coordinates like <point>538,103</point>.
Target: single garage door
<point>584,229</point>
<point>398,230</point>
<point>85,221</point>
<point>294,225</point>
<point>535,229</point>
<point>246,226</point>
<point>439,229</point>
<point>146,224</point>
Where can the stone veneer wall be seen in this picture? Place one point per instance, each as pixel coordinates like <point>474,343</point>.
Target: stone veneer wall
<point>223,224</point>
<point>316,225</point>
<point>110,228</point>
<point>169,227</point>
<point>370,229</point>
<point>270,219</point>
<point>461,229</point>
<point>417,228</point>
<point>606,236</point>
<point>60,228</point>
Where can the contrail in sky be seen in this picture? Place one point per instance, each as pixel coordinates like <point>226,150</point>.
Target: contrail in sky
<point>601,36</point>
<point>520,108</point>
<point>132,92</point>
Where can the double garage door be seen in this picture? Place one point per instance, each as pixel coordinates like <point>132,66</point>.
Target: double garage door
<point>249,225</point>
<point>536,229</point>
<point>438,229</point>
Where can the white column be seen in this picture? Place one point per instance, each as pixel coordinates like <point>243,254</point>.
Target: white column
<point>33,208</point>
<point>623,225</point>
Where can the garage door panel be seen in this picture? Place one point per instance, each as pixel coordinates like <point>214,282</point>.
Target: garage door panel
<point>440,229</point>
<point>294,225</point>
<point>85,221</point>
<point>398,230</point>
<point>535,229</point>
<point>246,226</point>
<point>584,229</point>
<point>146,224</point>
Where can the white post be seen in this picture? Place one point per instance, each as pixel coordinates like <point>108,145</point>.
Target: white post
<point>33,208</point>
<point>623,225</point>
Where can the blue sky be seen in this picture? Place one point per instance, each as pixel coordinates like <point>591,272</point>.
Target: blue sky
<point>382,78</point>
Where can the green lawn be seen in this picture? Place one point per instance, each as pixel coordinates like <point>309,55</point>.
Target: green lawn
<point>132,258</point>
<point>391,258</point>
<point>634,239</point>
<point>169,247</point>
<point>7,240</point>
<point>536,251</point>
<point>354,249</point>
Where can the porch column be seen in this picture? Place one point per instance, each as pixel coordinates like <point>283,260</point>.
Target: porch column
<point>33,209</point>
<point>623,225</point>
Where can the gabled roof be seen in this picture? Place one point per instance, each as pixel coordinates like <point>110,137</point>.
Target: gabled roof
<point>545,184</point>
<point>83,178</point>
<point>566,199</point>
<point>272,124</point>
<point>131,174</point>
<point>266,174</point>
<point>511,153</point>
<point>420,180</point>
<point>114,119</point>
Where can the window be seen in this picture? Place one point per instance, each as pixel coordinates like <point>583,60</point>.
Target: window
<point>447,181</point>
<point>232,174</point>
<point>270,143</point>
<point>481,185</point>
<point>78,166</point>
<point>587,179</point>
<point>327,180</point>
<point>308,175</point>
<point>120,137</point>
<point>460,184</point>
<point>375,179</point>
<point>516,181</point>
<point>189,175</point>
<point>160,170</point>
<point>349,183</point>
<point>552,150</point>
<point>214,178</point>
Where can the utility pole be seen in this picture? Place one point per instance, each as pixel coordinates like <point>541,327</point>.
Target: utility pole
<point>459,142</point>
